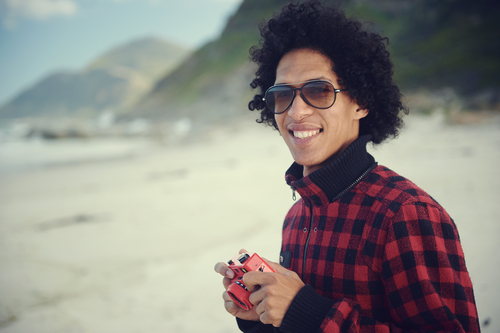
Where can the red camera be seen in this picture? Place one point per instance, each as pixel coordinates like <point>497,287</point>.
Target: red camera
<point>241,264</point>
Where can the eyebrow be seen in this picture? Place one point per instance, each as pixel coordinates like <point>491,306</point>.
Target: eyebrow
<point>323,78</point>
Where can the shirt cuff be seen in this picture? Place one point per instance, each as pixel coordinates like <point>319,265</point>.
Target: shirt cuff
<point>306,312</point>
<point>249,326</point>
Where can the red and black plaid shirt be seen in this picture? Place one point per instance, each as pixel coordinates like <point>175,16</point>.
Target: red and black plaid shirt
<point>376,253</point>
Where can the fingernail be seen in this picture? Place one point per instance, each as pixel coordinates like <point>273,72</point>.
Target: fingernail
<point>229,273</point>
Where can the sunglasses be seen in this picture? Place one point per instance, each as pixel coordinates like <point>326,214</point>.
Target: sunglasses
<point>319,94</point>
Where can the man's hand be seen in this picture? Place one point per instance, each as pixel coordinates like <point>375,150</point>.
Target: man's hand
<point>276,293</point>
<point>229,304</point>
<point>272,292</point>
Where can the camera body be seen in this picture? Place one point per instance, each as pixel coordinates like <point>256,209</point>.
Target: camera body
<point>240,265</point>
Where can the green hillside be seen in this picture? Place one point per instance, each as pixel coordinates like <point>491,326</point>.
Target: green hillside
<point>215,77</point>
<point>435,43</point>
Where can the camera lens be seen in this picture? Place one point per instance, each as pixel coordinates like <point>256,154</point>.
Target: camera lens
<point>233,296</point>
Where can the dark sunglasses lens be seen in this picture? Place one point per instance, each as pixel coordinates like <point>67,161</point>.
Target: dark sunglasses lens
<point>319,94</point>
<point>278,98</point>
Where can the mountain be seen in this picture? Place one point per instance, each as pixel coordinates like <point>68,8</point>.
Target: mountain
<point>212,85</point>
<point>113,81</point>
<point>152,57</point>
<point>434,45</point>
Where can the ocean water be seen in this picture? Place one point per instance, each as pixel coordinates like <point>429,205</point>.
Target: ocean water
<point>31,154</point>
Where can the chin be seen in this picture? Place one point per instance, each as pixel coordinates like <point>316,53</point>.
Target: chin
<point>307,163</point>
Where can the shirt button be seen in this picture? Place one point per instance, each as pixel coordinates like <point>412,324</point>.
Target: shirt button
<point>315,229</point>
<point>305,230</point>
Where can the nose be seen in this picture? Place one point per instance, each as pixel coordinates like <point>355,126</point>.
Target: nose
<point>299,108</point>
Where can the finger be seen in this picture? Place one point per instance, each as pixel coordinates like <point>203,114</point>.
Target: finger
<point>226,282</point>
<point>254,279</point>
<point>263,317</point>
<point>224,270</point>
<point>226,297</point>
<point>242,251</point>
<point>230,306</point>
<point>268,319</point>
<point>259,307</point>
<point>266,315</point>
<point>256,299</point>
<point>277,267</point>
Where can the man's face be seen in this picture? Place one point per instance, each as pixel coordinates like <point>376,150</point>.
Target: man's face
<point>315,136</point>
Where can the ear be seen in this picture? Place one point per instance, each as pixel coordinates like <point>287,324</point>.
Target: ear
<point>361,113</point>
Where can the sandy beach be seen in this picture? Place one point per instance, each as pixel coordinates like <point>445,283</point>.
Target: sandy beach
<point>121,235</point>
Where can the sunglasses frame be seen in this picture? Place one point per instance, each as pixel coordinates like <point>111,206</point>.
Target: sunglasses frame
<point>301,95</point>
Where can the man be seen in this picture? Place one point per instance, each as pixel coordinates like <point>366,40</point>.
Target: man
<point>364,249</point>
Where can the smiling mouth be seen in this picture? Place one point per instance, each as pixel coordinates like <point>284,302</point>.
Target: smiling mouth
<point>305,134</point>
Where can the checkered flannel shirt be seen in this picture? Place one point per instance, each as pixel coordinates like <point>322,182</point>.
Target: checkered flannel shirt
<point>377,254</point>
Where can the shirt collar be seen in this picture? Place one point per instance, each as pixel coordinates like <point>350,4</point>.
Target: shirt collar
<point>325,185</point>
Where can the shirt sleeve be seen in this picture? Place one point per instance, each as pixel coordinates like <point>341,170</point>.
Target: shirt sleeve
<point>427,286</point>
<point>248,326</point>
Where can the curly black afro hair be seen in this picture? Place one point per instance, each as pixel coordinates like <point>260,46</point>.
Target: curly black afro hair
<point>360,61</point>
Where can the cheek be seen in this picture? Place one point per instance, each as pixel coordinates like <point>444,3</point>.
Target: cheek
<point>279,118</point>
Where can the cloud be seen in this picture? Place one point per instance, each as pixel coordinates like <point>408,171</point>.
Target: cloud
<point>215,2</point>
<point>11,11</point>
<point>226,1</point>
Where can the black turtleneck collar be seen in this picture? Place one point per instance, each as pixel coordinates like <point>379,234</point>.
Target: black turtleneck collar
<point>340,175</point>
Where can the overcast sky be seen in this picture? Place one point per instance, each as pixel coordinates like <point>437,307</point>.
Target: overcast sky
<point>39,37</point>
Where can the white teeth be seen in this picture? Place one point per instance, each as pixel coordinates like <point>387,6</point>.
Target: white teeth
<point>304,134</point>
